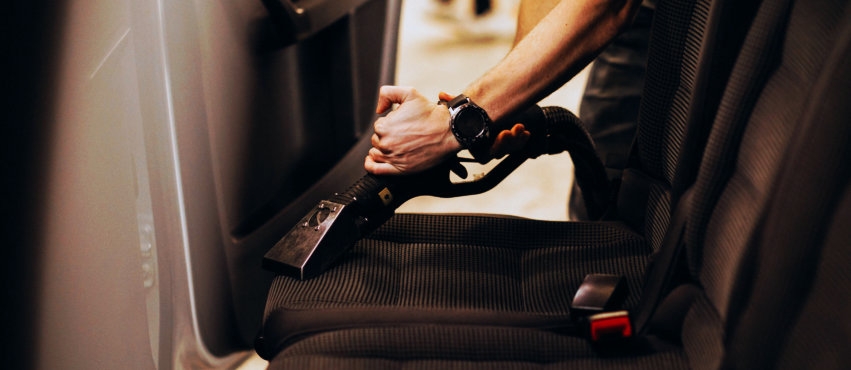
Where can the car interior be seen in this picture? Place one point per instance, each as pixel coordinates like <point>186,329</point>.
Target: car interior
<point>159,154</point>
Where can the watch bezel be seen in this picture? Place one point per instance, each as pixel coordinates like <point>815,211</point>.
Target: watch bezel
<point>468,106</point>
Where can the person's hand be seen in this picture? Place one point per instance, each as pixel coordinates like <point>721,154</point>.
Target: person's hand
<point>506,141</point>
<point>510,140</point>
<point>412,138</point>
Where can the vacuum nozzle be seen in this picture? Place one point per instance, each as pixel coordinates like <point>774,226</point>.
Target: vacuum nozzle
<point>312,245</point>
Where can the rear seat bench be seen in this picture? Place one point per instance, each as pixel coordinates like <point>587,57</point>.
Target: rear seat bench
<point>493,264</point>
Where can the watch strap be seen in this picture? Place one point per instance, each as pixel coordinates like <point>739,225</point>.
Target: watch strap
<point>458,101</point>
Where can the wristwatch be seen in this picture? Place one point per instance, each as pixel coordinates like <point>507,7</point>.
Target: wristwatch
<point>471,126</point>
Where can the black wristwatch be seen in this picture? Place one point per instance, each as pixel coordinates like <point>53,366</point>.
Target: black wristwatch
<point>471,126</point>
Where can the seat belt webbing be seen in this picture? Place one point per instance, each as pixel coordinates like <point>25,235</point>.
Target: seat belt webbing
<point>661,272</point>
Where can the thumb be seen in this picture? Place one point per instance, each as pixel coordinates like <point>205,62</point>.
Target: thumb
<point>389,95</point>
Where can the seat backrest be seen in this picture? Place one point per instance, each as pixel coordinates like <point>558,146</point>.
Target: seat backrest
<point>687,68</point>
<point>792,308</point>
<point>763,106</point>
<point>817,332</point>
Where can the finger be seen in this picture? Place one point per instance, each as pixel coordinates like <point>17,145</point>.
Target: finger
<point>519,136</point>
<point>510,140</point>
<point>503,137</point>
<point>375,141</point>
<point>379,168</point>
<point>389,95</point>
<point>377,155</point>
<point>518,129</point>
<point>444,96</point>
<point>522,135</point>
<point>379,126</point>
<point>499,145</point>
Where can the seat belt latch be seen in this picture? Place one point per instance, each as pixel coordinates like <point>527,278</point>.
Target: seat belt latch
<point>599,293</point>
<point>610,326</point>
<point>597,303</point>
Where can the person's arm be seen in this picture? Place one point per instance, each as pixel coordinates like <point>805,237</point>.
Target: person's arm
<point>559,46</point>
<point>529,13</point>
<point>416,135</point>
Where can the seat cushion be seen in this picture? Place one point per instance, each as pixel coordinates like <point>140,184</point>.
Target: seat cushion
<point>509,269</point>
<point>464,347</point>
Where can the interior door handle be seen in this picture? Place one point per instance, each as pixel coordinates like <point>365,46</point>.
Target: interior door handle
<point>298,19</point>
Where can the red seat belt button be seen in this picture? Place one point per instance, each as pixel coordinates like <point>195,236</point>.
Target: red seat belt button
<point>610,325</point>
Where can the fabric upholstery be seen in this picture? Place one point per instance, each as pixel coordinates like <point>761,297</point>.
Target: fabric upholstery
<point>674,51</point>
<point>522,266</point>
<point>744,205</point>
<point>472,262</point>
<point>799,288</point>
<point>770,88</point>
<point>460,347</point>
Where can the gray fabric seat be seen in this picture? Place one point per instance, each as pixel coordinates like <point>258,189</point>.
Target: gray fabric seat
<point>767,107</point>
<point>581,246</point>
<point>469,262</point>
<point>508,265</point>
<point>456,270</point>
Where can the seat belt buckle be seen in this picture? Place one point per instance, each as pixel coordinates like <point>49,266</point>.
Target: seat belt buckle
<point>599,293</point>
<point>597,307</point>
<point>609,326</point>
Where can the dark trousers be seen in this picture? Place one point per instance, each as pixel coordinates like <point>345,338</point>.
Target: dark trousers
<point>609,106</point>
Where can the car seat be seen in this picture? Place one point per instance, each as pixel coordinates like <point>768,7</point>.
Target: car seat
<point>488,291</point>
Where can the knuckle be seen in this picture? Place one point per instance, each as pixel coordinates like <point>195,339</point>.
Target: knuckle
<point>378,126</point>
<point>376,154</point>
<point>385,145</point>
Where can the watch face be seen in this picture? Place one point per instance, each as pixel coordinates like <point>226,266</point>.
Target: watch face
<point>469,123</point>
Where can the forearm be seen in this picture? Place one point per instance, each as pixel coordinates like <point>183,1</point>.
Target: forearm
<point>555,50</point>
<point>529,14</point>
